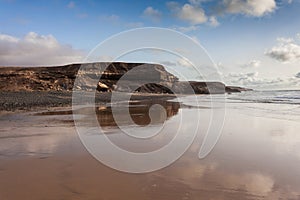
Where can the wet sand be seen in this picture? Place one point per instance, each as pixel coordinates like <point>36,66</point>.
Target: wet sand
<point>257,157</point>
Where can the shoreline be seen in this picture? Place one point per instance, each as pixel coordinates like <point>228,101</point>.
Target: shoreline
<point>35,100</point>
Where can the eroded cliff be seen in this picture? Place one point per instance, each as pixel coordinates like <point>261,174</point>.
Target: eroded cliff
<point>139,77</point>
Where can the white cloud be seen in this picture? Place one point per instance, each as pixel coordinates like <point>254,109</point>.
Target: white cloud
<point>153,14</point>
<point>184,62</point>
<point>196,2</point>
<point>193,12</point>
<point>252,64</point>
<point>285,40</point>
<point>220,65</point>
<point>254,81</point>
<point>186,29</point>
<point>190,13</point>
<point>195,39</point>
<point>71,4</point>
<point>34,49</point>
<point>255,8</point>
<point>168,63</point>
<point>182,51</point>
<point>286,51</point>
<point>240,77</point>
<point>181,62</point>
<point>8,38</point>
<point>213,21</point>
<point>254,183</point>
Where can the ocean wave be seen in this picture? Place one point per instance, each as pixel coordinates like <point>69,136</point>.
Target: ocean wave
<point>276,97</point>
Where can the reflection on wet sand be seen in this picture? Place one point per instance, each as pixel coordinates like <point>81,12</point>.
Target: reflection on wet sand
<point>256,158</point>
<point>139,113</point>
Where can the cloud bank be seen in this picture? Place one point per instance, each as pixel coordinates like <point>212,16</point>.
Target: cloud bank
<point>253,80</point>
<point>194,13</point>
<point>34,49</point>
<point>256,8</point>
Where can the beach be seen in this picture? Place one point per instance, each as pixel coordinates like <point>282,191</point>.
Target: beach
<point>256,157</point>
<point>142,100</point>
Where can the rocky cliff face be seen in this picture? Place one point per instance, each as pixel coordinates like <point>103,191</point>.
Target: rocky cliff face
<point>38,78</point>
<point>147,78</point>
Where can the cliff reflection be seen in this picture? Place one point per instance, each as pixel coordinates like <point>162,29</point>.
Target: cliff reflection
<point>138,113</point>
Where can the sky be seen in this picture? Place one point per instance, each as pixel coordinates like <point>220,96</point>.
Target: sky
<point>254,43</point>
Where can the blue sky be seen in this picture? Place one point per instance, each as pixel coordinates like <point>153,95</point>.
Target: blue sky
<point>255,43</point>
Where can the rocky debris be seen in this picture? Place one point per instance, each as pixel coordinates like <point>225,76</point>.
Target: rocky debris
<point>103,87</point>
<point>31,100</point>
<point>24,100</point>
<point>117,76</point>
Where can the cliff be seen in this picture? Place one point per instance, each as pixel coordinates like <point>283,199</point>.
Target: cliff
<point>62,78</point>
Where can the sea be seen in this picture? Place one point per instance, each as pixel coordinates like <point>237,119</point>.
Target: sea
<point>279,104</point>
